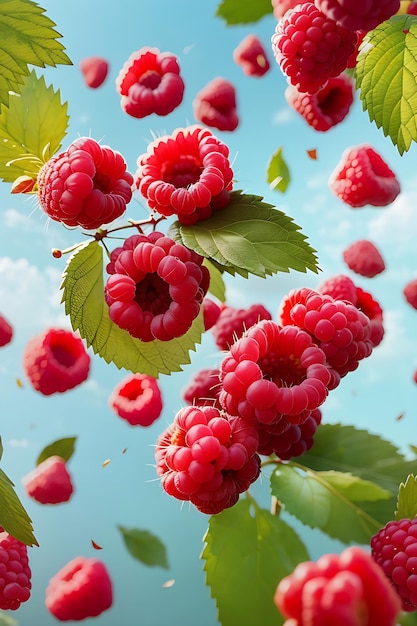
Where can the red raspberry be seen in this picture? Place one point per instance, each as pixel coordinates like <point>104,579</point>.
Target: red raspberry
<point>338,590</point>
<point>137,399</point>
<point>211,312</point>
<point>366,303</point>
<point>187,174</point>
<point>394,549</point>
<point>251,56</point>
<point>410,293</point>
<point>358,16</point>
<point>326,108</point>
<point>207,458</point>
<point>203,388</point>
<point>412,8</point>
<point>353,57</point>
<point>339,287</point>
<point>215,105</point>
<point>56,361</point>
<point>50,482</point>
<point>415,376</point>
<point>94,70</point>
<point>364,258</point>
<point>87,185</point>
<point>81,589</point>
<point>293,442</point>
<point>155,288</point>
<point>280,7</point>
<point>362,177</point>
<point>274,375</point>
<point>232,323</point>
<point>15,572</point>
<point>311,48</point>
<point>6,331</point>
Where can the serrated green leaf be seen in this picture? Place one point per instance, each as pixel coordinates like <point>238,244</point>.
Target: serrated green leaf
<point>247,552</point>
<point>27,37</point>
<point>238,12</point>
<point>145,547</point>
<point>386,73</point>
<point>354,488</point>
<point>61,447</point>
<point>83,295</point>
<point>407,499</point>
<point>217,287</point>
<point>13,516</point>
<point>31,128</point>
<point>277,172</point>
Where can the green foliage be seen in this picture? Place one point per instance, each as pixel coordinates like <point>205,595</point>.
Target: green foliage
<point>145,547</point>
<point>6,620</point>
<point>249,237</point>
<point>83,295</point>
<point>247,551</point>
<point>277,172</point>
<point>408,619</point>
<point>407,499</point>
<point>61,447</point>
<point>238,12</point>
<point>13,516</point>
<point>386,73</point>
<point>27,37</point>
<point>217,287</point>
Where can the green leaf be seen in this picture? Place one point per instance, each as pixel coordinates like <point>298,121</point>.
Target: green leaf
<point>328,502</point>
<point>238,12</point>
<point>277,172</point>
<point>247,552</point>
<point>31,128</point>
<point>407,499</point>
<point>13,516</point>
<point>407,619</point>
<point>61,447</point>
<point>6,620</point>
<point>27,37</point>
<point>386,73</point>
<point>249,236</point>
<point>217,287</point>
<point>145,547</point>
<point>83,295</point>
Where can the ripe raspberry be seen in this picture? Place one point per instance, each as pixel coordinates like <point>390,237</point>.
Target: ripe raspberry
<point>415,376</point>
<point>137,399</point>
<point>81,589</point>
<point>232,323</point>
<point>155,288</point>
<point>94,70</point>
<point>56,361</point>
<point>291,443</point>
<point>211,312</point>
<point>280,7</point>
<point>410,293</point>
<point>15,572</point>
<point>251,56</point>
<point>311,48</point>
<point>87,185</point>
<point>274,375</point>
<point>6,331</point>
<point>339,287</point>
<point>357,16</point>
<point>215,105</point>
<point>362,177</point>
<point>366,303</point>
<point>203,388</point>
<point>364,258</point>
<point>394,549</point>
<point>412,8</point>
<point>326,108</point>
<point>50,482</point>
<point>187,174</point>
<point>344,590</point>
<point>354,56</point>
<point>207,458</point>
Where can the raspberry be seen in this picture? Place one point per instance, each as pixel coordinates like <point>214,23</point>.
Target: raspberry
<point>137,399</point>
<point>56,361</point>
<point>203,388</point>
<point>357,16</point>
<point>215,105</point>
<point>187,174</point>
<point>94,70</point>
<point>207,458</point>
<point>344,590</point>
<point>87,185</point>
<point>150,82</point>
<point>6,331</point>
<point>339,287</point>
<point>366,303</point>
<point>394,549</point>
<point>412,8</point>
<point>293,442</point>
<point>232,323</point>
<point>354,56</point>
<point>211,312</point>
<point>155,288</point>
<point>326,108</point>
<point>50,482</point>
<point>362,177</point>
<point>15,572</point>
<point>251,56</point>
<point>81,589</point>
<point>274,375</point>
<point>364,258</point>
<point>311,48</point>
<point>280,7</point>
<point>410,293</point>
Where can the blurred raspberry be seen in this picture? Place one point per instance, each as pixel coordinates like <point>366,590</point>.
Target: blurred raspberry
<point>50,482</point>
<point>410,293</point>
<point>251,56</point>
<point>94,70</point>
<point>203,388</point>
<point>339,287</point>
<point>280,7</point>
<point>211,313</point>
<point>366,303</point>
<point>6,331</point>
<point>353,57</point>
<point>137,399</point>
<point>15,573</point>
<point>412,8</point>
<point>215,105</point>
<point>357,15</point>
<point>364,258</point>
<point>232,323</point>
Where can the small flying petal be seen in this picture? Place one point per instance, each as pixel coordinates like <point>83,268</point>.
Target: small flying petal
<point>312,154</point>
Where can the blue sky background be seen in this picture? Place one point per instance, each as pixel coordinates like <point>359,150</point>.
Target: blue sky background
<point>125,492</point>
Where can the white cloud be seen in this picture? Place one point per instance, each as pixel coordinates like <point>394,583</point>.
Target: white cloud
<point>396,223</point>
<point>283,116</point>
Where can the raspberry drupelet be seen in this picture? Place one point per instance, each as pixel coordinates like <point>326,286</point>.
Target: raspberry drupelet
<point>203,388</point>
<point>232,323</point>
<point>15,573</point>
<point>358,15</point>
